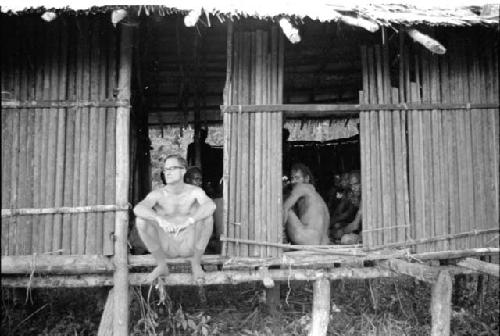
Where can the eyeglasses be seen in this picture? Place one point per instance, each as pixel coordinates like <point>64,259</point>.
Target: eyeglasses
<point>173,168</point>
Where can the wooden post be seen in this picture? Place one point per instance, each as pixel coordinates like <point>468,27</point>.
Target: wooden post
<point>441,305</point>
<point>321,307</point>
<point>106,325</point>
<point>121,294</point>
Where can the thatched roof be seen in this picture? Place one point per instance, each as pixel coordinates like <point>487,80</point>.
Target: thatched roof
<point>382,12</point>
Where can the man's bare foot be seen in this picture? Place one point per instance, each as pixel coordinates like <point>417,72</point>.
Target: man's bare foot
<point>160,270</point>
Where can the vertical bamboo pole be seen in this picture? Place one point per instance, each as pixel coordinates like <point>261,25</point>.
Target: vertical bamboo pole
<point>120,278</point>
<point>491,134</point>
<point>6,174</point>
<point>275,145</point>
<point>233,146</point>
<point>428,168</point>
<point>227,131</point>
<point>389,184</point>
<point>374,152</point>
<point>110,169</point>
<point>455,178</point>
<point>101,140</point>
<point>365,133</point>
<point>238,156</point>
<point>13,226</point>
<point>31,146</point>
<point>251,150</point>
<point>244,136</point>
<point>69,168</point>
<point>466,150</point>
<point>280,122</point>
<point>477,94</point>
<point>449,152</point>
<point>91,234</point>
<point>437,156</point>
<point>84,136</point>
<point>23,222</point>
<point>417,140</point>
<point>75,232</point>
<point>383,153</point>
<point>61,140</point>
<point>52,133</point>
<point>7,138</point>
<point>258,142</point>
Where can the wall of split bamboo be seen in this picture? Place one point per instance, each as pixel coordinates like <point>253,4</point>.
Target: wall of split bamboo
<point>58,145</point>
<point>252,148</point>
<point>430,174</point>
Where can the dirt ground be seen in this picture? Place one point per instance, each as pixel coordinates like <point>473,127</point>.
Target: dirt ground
<point>376,307</point>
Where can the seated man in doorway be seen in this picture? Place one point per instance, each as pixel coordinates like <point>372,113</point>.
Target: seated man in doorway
<point>346,220</point>
<point>305,214</point>
<point>176,220</point>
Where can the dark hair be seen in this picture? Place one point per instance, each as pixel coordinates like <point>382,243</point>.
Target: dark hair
<point>305,171</point>
<point>180,159</point>
<point>191,171</point>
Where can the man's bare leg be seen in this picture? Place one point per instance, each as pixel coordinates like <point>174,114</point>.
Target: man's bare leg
<point>203,231</point>
<point>149,235</point>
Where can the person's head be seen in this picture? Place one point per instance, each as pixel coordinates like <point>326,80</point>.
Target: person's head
<point>300,173</point>
<point>344,180</point>
<point>193,176</point>
<point>174,168</point>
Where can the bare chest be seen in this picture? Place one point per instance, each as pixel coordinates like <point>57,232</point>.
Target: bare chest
<point>175,204</point>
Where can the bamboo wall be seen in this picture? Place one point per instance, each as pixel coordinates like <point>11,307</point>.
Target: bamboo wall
<point>58,131</point>
<point>252,143</point>
<point>431,177</point>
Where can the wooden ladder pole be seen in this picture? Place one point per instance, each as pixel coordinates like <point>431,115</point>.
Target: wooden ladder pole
<point>441,305</point>
<point>321,307</point>
<point>121,293</point>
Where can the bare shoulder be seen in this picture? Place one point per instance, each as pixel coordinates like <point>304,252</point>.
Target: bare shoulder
<point>303,188</point>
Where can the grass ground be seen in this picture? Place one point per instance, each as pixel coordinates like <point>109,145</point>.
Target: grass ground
<point>377,307</point>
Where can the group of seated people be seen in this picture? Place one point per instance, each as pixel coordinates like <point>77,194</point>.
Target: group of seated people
<point>177,220</point>
<point>309,220</point>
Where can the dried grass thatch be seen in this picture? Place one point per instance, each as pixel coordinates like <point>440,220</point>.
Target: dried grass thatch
<point>382,12</point>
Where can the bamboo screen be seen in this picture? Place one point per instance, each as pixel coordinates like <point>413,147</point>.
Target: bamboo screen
<point>252,145</point>
<point>58,133</point>
<point>431,177</point>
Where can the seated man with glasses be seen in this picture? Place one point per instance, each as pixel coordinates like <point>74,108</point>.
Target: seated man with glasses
<point>176,220</point>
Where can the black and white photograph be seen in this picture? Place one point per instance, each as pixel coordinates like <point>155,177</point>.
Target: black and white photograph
<point>250,168</point>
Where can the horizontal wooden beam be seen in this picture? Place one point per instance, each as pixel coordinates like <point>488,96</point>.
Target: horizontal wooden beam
<point>63,210</point>
<point>56,264</point>
<point>352,108</point>
<point>456,254</point>
<point>211,278</point>
<point>480,266</point>
<point>420,271</point>
<point>434,239</point>
<point>325,250</point>
<point>63,104</point>
<point>86,264</point>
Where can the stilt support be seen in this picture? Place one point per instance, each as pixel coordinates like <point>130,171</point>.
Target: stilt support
<point>441,305</point>
<point>106,325</point>
<point>321,307</point>
<point>273,298</point>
